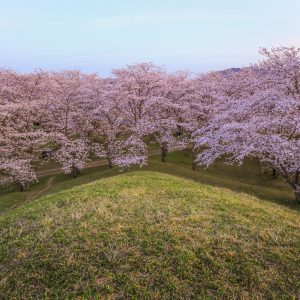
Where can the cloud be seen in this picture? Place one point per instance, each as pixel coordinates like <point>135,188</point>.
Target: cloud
<point>116,22</point>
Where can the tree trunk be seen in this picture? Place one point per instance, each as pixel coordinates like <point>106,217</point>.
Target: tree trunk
<point>274,173</point>
<point>23,186</point>
<point>194,166</point>
<point>297,195</point>
<point>109,162</point>
<point>74,172</point>
<point>164,153</point>
<point>297,177</point>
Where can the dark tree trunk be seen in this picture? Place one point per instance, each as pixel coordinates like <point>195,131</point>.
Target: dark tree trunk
<point>164,153</point>
<point>74,172</point>
<point>297,195</point>
<point>194,166</point>
<point>297,186</point>
<point>297,177</point>
<point>23,186</point>
<point>274,173</point>
<point>109,162</point>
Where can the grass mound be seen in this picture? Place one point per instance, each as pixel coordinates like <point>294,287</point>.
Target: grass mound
<point>149,235</point>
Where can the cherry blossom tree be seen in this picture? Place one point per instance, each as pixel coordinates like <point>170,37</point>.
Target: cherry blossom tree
<point>167,111</point>
<point>106,121</point>
<point>67,92</point>
<point>72,155</point>
<point>20,115</point>
<point>18,171</point>
<point>263,124</point>
<point>136,89</point>
<point>197,109</point>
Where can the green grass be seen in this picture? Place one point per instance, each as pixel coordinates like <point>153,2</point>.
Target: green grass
<point>150,235</point>
<point>161,232</point>
<point>245,178</point>
<point>10,197</point>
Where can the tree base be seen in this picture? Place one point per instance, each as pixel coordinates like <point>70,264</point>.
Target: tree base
<point>194,166</point>
<point>297,196</point>
<point>109,163</point>
<point>23,187</point>
<point>164,153</point>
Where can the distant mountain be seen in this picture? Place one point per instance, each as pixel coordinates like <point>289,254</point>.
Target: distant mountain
<point>230,70</point>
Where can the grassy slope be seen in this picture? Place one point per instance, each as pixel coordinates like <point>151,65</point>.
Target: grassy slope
<point>246,178</point>
<point>10,198</point>
<point>151,235</point>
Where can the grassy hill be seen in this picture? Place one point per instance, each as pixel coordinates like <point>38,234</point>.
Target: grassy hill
<point>145,234</point>
<point>246,178</point>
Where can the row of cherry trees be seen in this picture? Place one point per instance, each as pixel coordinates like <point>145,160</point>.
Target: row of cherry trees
<point>236,114</point>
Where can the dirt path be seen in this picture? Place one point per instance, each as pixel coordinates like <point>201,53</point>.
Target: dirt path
<point>48,186</point>
<point>35,194</point>
<point>88,165</point>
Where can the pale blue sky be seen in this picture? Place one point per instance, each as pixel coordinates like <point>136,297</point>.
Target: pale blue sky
<point>95,36</point>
